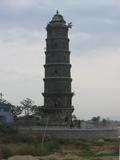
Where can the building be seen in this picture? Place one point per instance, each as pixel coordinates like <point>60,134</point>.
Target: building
<point>57,109</point>
<point>5,113</point>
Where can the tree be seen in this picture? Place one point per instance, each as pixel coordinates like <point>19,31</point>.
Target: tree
<point>2,100</point>
<point>104,122</point>
<point>1,96</point>
<point>28,109</point>
<point>27,106</point>
<point>79,123</point>
<point>74,118</point>
<point>96,120</point>
<point>16,110</point>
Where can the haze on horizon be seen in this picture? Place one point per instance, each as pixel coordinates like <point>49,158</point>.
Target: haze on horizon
<point>94,45</point>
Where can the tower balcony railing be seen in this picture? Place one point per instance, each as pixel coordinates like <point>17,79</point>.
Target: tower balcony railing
<point>58,93</point>
<point>51,108</point>
<point>57,50</point>
<point>57,37</point>
<point>58,78</point>
<point>59,63</point>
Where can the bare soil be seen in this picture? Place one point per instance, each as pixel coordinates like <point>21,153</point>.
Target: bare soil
<point>57,156</point>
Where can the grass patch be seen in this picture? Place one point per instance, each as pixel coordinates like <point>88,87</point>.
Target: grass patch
<point>112,154</point>
<point>6,152</point>
<point>16,143</point>
<point>92,154</point>
<point>86,154</point>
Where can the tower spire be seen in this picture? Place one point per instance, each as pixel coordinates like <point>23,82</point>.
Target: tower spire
<point>57,12</point>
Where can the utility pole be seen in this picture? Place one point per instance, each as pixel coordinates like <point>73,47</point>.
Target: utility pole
<point>44,133</point>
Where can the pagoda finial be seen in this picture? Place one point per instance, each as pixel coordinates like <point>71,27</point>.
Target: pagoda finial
<point>57,12</point>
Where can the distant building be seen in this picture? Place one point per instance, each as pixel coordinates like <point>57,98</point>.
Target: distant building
<point>5,113</point>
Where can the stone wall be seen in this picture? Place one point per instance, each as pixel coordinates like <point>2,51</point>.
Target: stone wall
<point>74,133</point>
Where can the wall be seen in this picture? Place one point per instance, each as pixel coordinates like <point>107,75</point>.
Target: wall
<point>68,133</point>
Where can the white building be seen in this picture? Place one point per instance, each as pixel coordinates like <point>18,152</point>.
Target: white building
<point>5,113</point>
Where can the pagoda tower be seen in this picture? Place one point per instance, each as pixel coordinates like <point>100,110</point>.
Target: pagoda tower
<point>57,109</point>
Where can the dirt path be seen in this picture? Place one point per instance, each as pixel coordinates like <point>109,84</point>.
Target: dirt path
<point>58,156</point>
<point>23,158</point>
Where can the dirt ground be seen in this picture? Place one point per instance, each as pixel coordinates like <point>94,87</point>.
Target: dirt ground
<point>58,156</point>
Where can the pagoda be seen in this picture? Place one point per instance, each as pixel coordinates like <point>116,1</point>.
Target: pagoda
<point>57,109</point>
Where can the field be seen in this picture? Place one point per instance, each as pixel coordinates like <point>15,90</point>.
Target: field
<point>13,143</point>
<point>62,149</point>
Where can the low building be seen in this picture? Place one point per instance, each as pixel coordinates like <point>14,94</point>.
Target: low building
<point>6,113</point>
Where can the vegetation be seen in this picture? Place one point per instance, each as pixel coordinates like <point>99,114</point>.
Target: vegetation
<point>97,120</point>
<point>6,152</point>
<point>13,142</point>
<point>23,111</point>
<point>28,106</point>
<point>16,111</point>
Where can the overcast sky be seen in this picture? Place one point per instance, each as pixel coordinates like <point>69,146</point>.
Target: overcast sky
<point>94,45</point>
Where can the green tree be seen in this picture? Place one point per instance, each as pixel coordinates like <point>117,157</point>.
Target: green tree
<point>28,106</point>
<point>2,100</point>
<point>104,122</point>
<point>96,120</point>
<point>16,111</point>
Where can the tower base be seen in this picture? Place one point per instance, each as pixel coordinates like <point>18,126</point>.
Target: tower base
<point>56,116</point>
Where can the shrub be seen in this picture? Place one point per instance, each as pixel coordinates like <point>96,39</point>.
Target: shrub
<point>6,152</point>
<point>85,146</point>
<point>46,148</point>
<point>52,145</point>
<point>7,129</point>
<point>22,138</point>
<point>25,149</point>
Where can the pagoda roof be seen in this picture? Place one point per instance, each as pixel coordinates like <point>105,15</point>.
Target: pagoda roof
<point>58,18</point>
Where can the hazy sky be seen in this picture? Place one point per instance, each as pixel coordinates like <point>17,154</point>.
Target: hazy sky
<point>94,45</point>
